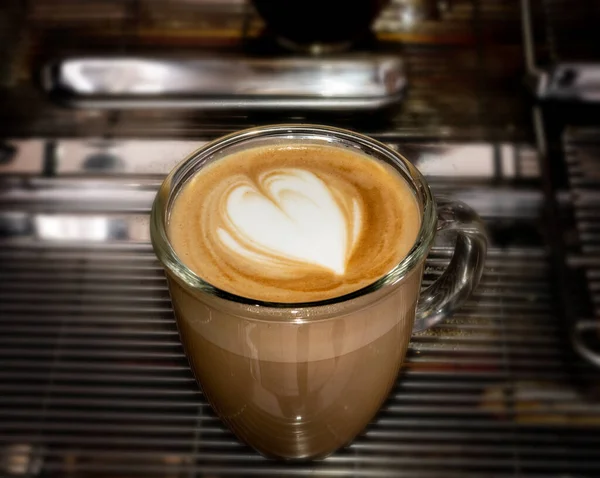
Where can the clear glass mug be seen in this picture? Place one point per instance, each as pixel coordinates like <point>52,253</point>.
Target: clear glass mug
<point>299,381</point>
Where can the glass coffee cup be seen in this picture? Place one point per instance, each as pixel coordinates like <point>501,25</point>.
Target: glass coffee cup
<point>299,381</point>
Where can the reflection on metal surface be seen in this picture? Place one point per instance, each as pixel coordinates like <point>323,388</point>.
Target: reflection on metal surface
<point>477,160</point>
<point>359,82</point>
<point>70,228</point>
<point>569,82</point>
<point>149,157</point>
<point>156,157</point>
<point>22,459</point>
<point>541,403</point>
<point>73,195</point>
<point>65,228</point>
<point>27,158</point>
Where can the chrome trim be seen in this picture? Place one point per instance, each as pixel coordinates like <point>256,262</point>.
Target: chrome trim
<point>354,82</point>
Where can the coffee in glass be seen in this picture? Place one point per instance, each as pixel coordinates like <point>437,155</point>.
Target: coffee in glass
<point>294,256</point>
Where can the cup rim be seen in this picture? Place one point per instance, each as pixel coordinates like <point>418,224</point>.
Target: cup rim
<point>171,262</point>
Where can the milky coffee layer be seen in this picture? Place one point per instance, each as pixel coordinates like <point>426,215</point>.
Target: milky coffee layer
<point>294,223</point>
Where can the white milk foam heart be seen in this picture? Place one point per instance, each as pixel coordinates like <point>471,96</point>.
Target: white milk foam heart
<point>293,215</point>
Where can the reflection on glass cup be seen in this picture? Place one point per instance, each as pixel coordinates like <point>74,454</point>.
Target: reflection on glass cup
<point>302,380</point>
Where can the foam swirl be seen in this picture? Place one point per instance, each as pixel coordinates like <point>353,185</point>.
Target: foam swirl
<point>293,224</point>
<point>290,215</point>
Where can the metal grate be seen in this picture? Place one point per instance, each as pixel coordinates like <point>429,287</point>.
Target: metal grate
<point>93,380</point>
<point>582,153</point>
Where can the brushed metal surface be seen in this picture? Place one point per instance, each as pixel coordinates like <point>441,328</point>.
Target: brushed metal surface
<point>354,83</point>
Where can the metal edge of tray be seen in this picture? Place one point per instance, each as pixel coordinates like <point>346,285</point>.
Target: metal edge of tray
<point>228,104</point>
<point>233,83</point>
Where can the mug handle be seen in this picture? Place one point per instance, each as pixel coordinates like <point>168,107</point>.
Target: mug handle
<point>455,285</point>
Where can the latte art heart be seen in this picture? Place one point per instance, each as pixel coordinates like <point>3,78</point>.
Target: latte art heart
<point>290,215</point>
<point>293,223</point>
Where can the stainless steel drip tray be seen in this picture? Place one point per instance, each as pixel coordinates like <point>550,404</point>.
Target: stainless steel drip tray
<point>349,83</point>
<point>94,382</point>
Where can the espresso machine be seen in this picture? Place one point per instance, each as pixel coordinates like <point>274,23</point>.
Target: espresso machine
<point>495,102</point>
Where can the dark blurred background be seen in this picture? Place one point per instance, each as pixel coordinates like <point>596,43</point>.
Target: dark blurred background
<point>496,101</point>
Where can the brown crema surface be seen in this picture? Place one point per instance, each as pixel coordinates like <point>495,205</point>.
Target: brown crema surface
<point>388,225</point>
